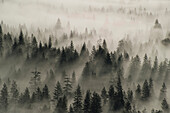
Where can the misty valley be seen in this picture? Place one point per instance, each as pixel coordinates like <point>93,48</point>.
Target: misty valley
<point>84,56</point>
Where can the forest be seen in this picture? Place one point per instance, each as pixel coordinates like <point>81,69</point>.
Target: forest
<point>75,56</point>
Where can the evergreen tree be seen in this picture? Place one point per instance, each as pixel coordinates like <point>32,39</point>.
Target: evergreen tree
<point>84,51</point>
<point>128,107</point>
<point>96,103</point>
<point>77,105</point>
<point>49,43</point>
<point>146,69</point>
<point>138,92</point>
<point>26,96</point>
<point>119,97</point>
<point>38,95</point>
<point>145,90</point>
<point>163,92</point>
<point>58,91</point>
<point>151,87</point>
<point>134,68</point>
<point>111,97</point>
<point>86,71</point>
<point>104,95</point>
<point>67,87</point>
<point>14,92</point>
<point>21,38</point>
<point>4,98</point>
<point>87,102</point>
<point>73,78</point>
<point>155,68</point>
<point>61,106</point>
<point>165,106</point>
<point>45,93</point>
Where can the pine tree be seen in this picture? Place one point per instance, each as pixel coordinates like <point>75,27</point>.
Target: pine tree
<point>155,68</point>
<point>45,93</point>
<point>21,38</point>
<point>134,68</point>
<point>77,105</point>
<point>86,71</point>
<point>38,95</point>
<point>14,92</point>
<point>163,92</point>
<point>87,102</point>
<point>104,45</point>
<point>4,98</point>
<point>61,106</point>
<point>151,87</point>
<point>96,103</point>
<point>128,107</point>
<point>145,90</point>
<point>26,96</point>
<point>58,91</point>
<point>119,97</point>
<point>146,69</point>
<point>138,92</point>
<point>165,106</point>
<point>67,87</point>
<point>49,43</point>
<point>111,97</point>
<point>73,78</point>
<point>104,95</point>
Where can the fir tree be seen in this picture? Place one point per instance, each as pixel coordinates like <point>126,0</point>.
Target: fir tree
<point>77,105</point>
<point>163,92</point>
<point>58,91</point>
<point>87,102</point>
<point>104,95</point>
<point>96,103</point>
<point>138,92</point>
<point>45,93</point>
<point>145,90</point>
<point>165,106</point>
<point>4,98</point>
<point>14,92</point>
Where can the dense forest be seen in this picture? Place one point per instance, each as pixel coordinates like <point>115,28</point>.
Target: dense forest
<point>92,56</point>
<point>109,81</point>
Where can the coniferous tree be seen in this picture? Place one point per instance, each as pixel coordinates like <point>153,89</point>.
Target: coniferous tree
<point>58,91</point>
<point>4,99</point>
<point>21,38</point>
<point>14,92</point>
<point>163,92</point>
<point>26,96</point>
<point>104,95</point>
<point>119,97</point>
<point>151,87</point>
<point>67,86</point>
<point>49,43</point>
<point>111,97</point>
<point>154,68</point>
<point>146,69</point>
<point>61,106</point>
<point>165,106</point>
<point>87,102</point>
<point>145,90</point>
<point>138,92</point>
<point>96,103</point>
<point>38,95</point>
<point>77,105</point>
<point>86,71</point>
<point>45,93</point>
<point>127,107</point>
<point>73,78</point>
